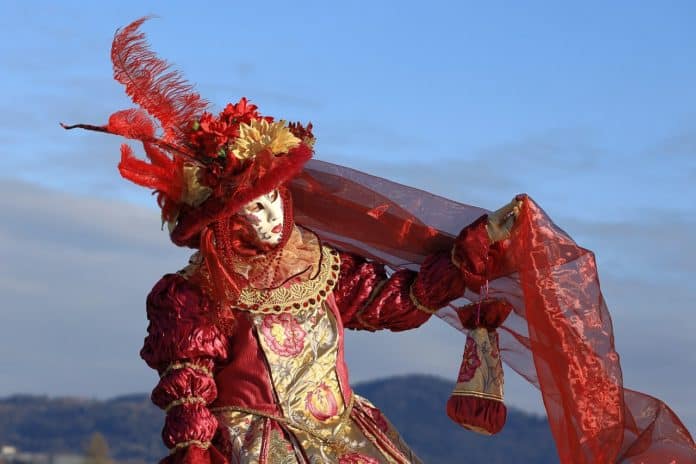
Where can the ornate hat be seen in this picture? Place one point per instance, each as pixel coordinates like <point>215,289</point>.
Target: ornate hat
<point>201,166</point>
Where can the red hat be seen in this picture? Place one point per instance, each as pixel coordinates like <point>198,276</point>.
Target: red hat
<point>202,167</point>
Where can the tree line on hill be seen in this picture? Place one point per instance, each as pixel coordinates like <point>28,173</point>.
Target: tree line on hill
<point>127,428</point>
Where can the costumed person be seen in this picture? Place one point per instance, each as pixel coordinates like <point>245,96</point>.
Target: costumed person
<point>248,338</point>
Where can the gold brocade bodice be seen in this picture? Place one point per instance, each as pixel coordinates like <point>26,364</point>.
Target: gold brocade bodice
<point>301,351</point>
<point>298,330</point>
<point>299,336</point>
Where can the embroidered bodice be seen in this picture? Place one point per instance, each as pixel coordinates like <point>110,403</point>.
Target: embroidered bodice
<point>279,380</point>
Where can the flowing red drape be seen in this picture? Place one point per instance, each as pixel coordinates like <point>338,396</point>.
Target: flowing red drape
<point>559,336</point>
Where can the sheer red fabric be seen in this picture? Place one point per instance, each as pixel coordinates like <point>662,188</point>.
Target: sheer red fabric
<point>559,336</point>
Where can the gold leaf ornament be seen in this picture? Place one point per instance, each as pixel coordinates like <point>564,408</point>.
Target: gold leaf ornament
<point>195,193</point>
<point>260,135</point>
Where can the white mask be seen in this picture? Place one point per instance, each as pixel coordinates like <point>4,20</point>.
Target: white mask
<point>265,214</point>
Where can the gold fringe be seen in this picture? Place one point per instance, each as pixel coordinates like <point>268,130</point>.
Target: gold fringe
<point>201,444</point>
<point>185,400</point>
<point>183,365</point>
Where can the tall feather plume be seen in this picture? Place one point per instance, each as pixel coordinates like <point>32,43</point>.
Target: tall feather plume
<point>132,124</point>
<point>160,175</point>
<point>152,84</point>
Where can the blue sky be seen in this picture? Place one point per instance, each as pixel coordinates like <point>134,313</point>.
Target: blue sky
<point>588,108</point>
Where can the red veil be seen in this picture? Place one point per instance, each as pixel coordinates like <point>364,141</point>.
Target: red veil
<point>559,336</point>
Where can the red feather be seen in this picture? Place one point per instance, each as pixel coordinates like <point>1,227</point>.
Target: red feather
<point>152,84</point>
<point>159,158</point>
<point>163,179</point>
<point>132,124</point>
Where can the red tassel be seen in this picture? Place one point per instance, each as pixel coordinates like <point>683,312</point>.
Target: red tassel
<point>479,415</point>
<point>477,400</point>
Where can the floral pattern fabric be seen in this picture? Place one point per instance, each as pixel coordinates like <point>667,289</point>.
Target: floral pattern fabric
<point>283,334</point>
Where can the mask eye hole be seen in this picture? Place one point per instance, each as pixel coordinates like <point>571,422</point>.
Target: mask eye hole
<point>255,208</point>
<point>273,196</point>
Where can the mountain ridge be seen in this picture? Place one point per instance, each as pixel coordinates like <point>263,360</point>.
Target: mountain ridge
<point>415,404</point>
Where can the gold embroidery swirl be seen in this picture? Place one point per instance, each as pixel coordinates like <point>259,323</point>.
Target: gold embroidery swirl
<point>297,296</point>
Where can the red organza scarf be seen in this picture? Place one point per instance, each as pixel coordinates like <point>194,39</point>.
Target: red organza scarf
<point>559,336</point>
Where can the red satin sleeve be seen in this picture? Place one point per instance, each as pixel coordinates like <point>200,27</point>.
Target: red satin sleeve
<point>184,347</point>
<point>369,299</point>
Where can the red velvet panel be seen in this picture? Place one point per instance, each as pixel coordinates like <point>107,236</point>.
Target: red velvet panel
<point>244,380</point>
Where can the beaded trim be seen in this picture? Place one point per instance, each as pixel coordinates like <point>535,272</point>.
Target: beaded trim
<point>297,296</point>
<point>184,365</point>
<point>418,304</point>
<point>185,400</point>
<point>201,444</point>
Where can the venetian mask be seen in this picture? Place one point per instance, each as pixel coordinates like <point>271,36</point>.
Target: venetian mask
<point>265,215</point>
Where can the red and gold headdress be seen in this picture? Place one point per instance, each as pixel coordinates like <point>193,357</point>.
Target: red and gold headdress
<point>203,167</point>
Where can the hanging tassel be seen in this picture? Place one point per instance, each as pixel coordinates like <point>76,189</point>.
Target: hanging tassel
<point>477,400</point>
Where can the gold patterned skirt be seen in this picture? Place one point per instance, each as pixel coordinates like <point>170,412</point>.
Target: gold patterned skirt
<point>362,435</point>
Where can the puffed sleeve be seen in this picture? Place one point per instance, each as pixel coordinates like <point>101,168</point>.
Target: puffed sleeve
<point>184,347</point>
<point>369,299</point>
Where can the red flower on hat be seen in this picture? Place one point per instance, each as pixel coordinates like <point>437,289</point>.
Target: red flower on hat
<point>243,111</point>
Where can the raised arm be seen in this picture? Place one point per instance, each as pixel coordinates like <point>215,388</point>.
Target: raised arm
<point>368,299</point>
<point>184,347</point>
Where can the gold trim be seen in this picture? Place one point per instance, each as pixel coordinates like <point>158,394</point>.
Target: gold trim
<point>298,296</point>
<point>185,400</point>
<point>359,313</point>
<point>183,365</point>
<point>183,444</point>
<point>488,396</point>
<point>418,304</point>
<point>473,428</point>
<point>338,444</point>
<point>454,259</point>
<point>358,317</point>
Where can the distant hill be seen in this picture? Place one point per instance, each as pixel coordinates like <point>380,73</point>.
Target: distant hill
<point>415,404</point>
<point>132,425</point>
